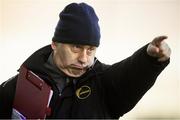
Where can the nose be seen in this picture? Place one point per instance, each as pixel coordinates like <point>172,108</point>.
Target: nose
<point>83,57</point>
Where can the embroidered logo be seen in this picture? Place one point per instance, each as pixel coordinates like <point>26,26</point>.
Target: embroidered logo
<point>83,92</point>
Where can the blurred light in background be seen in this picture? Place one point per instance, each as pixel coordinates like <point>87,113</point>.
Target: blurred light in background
<point>126,25</point>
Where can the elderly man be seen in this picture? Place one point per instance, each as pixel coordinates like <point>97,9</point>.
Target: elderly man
<point>82,86</point>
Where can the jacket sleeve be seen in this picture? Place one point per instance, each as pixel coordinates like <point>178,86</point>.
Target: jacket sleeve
<point>126,82</point>
<point>7,91</point>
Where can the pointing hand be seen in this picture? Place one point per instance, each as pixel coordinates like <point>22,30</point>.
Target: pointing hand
<point>159,48</point>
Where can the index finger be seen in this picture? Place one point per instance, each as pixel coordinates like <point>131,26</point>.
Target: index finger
<point>157,41</point>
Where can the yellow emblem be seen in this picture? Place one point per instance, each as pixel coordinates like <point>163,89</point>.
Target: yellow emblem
<point>83,92</point>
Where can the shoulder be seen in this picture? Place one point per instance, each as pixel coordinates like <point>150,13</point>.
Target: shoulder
<point>100,67</point>
<point>7,91</point>
<point>11,81</point>
<point>8,86</point>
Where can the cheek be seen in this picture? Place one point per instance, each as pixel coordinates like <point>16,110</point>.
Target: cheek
<point>68,59</point>
<point>91,60</point>
<point>61,59</point>
<point>65,59</point>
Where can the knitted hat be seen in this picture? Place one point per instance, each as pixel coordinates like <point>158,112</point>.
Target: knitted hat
<point>78,24</point>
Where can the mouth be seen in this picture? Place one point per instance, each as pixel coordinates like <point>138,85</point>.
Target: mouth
<point>78,67</point>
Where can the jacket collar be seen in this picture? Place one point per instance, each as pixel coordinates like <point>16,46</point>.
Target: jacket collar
<point>36,63</point>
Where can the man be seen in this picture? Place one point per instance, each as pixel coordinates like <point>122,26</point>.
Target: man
<point>83,87</point>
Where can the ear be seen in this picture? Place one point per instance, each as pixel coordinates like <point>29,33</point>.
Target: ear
<point>53,45</point>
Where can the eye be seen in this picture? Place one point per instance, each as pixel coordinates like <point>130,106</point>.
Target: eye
<point>91,50</point>
<point>76,48</point>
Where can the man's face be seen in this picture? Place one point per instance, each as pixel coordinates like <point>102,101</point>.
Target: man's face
<point>73,59</point>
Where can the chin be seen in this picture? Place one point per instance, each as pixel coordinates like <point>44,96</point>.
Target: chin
<point>72,75</point>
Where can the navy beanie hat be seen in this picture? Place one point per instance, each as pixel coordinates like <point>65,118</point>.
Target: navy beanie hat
<point>78,24</point>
